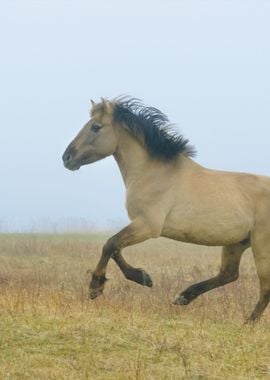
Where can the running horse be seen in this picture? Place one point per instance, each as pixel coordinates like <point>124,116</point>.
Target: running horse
<point>169,194</point>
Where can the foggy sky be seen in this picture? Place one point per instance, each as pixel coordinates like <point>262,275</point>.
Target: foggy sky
<point>204,63</point>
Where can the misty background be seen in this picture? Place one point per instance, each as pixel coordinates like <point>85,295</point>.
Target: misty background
<point>204,63</point>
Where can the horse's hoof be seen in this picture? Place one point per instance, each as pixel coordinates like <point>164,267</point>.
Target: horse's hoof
<point>147,281</point>
<point>94,294</point>
<point>181,301</point>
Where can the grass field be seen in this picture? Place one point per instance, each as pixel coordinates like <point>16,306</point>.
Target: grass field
<point>49,329</point>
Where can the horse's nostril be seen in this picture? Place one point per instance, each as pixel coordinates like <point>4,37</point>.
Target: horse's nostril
<point>67,157</point>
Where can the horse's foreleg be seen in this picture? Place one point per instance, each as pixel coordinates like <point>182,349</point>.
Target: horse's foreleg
<point>133,274</point>
<point>229,271</point>
<point>136,232</point>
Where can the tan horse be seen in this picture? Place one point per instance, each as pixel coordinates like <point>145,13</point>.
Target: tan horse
<point>170,195</point>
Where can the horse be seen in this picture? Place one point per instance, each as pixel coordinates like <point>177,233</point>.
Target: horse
<point>169,194</point>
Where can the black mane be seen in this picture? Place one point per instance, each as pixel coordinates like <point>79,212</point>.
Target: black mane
<point>152,128</point>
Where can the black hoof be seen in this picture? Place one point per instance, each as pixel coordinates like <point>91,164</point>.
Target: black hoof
<point>146,279</point>
<point>181,300</point>
<point>93,293</point>
<point>251,321</point>
<point>96,286</point>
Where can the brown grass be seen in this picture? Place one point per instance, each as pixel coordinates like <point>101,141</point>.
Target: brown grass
<point>49,329</point>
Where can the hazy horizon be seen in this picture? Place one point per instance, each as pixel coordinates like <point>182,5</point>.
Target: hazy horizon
<point>204,63</point>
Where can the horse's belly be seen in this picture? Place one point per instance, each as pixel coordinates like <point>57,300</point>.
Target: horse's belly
<point>209,229</point>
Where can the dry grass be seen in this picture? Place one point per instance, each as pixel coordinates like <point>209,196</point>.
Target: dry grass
<point>49,330</point>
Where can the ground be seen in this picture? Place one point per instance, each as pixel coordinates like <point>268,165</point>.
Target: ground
<point>50,330</point>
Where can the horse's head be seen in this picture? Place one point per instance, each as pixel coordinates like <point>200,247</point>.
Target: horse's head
<point>95,141</point>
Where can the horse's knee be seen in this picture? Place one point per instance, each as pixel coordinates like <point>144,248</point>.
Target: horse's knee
<point>110,247</point>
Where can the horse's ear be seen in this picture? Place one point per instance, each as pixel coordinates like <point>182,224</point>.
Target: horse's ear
<point>92,102</point>
<point>107,105</point>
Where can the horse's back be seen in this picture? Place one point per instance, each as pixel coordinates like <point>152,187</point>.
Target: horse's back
<point>215,207</point>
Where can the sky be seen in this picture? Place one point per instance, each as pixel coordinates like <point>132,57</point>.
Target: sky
<point>204,63</point>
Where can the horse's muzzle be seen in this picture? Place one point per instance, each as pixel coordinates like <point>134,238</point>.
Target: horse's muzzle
<point>68,160</point>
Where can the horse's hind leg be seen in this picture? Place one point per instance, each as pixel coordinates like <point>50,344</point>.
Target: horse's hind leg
<point>260,243</point>
<point>229,271</point>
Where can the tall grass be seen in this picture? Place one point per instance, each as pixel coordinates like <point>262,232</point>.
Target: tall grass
<point>50,330</point>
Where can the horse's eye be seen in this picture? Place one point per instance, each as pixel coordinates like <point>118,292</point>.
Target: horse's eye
<point>96,128</point>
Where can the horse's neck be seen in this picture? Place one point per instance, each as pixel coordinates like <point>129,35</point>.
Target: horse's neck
<point>134,161</point>
<point>131,158</point>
